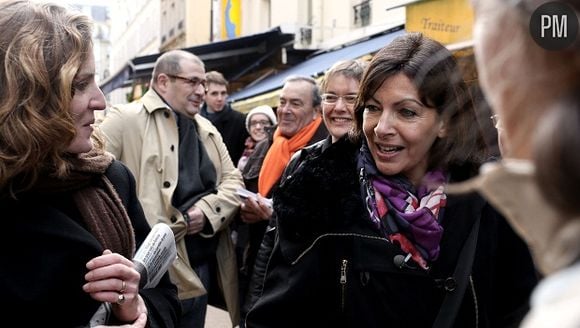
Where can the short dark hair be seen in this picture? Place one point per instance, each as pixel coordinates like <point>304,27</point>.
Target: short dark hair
<point>316,99</point>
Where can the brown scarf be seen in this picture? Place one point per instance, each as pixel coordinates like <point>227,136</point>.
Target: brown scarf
<point>99,205</point>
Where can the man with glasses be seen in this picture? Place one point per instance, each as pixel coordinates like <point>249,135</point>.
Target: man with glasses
<point>230,123</point>
<point>299,125</point>
<point>185,178</point>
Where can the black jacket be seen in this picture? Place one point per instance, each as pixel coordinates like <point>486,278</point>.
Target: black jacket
<point>232,126</point>
<point>255,232</point>
<point>43,263</point>
<point>329,267</point>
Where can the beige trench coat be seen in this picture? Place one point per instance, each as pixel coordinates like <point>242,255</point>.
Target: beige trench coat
<point>144,136</point>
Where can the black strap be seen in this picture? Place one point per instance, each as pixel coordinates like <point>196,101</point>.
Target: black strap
<point>453,298</point>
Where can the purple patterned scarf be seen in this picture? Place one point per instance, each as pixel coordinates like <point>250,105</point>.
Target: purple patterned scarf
<point>405,214</point>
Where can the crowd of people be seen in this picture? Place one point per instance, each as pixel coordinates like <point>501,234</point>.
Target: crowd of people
<point>377,202</point>
<point>365,232</point>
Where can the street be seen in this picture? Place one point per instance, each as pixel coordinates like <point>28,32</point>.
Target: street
<point>217,318</point>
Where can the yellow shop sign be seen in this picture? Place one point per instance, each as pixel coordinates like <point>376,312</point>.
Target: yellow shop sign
<point>447,21</point>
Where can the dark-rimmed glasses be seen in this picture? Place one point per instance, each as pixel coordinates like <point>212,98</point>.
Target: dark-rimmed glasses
<point>193,82</point>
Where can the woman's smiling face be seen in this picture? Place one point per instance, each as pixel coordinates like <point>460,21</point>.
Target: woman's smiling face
<point>400,129</point>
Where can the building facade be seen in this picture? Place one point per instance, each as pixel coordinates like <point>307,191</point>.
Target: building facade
<point>145,27</point>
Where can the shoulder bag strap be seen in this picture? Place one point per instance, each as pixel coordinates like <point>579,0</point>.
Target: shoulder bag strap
<point>453,298</point>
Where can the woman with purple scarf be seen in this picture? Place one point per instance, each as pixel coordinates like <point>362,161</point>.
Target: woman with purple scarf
<point>365,234</point>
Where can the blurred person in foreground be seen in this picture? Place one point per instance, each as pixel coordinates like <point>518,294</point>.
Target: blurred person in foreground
<point>73,207</point>
<point>185,178</point>
<point>366,235</point>
<point>536,94</point>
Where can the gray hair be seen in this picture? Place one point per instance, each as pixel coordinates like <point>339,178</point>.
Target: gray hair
<point>170,63</point>
<point>316,99</point>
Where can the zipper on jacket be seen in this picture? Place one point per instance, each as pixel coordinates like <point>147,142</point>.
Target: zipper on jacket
<point>343,282</point>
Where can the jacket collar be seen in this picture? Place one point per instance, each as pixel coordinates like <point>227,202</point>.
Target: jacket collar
<point>152,102</point>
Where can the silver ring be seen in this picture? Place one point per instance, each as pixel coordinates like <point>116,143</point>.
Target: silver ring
<point>121,299</point>
<point>123,285</point>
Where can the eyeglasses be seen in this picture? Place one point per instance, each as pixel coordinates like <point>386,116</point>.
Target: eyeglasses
<point>496,121</point>
<point>193,82</point>
<point>332,99</point>
<point>262,123</point>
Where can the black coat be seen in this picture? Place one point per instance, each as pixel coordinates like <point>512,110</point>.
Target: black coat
<point>329,266</point>
<point>253,233</point>
<point>232,126</point>
<point>43,254</point>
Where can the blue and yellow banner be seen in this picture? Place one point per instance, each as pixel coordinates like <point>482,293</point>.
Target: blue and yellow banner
<point>231,19</point>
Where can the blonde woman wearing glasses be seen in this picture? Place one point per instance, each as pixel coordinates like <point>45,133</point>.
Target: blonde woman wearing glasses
<point>339,89</point>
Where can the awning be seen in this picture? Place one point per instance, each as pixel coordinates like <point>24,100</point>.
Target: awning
<point>120,80</point>
<point>233,58</point>
<point>266,91</point>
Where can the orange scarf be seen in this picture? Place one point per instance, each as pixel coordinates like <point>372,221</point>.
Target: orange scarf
<point>279,155</point>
